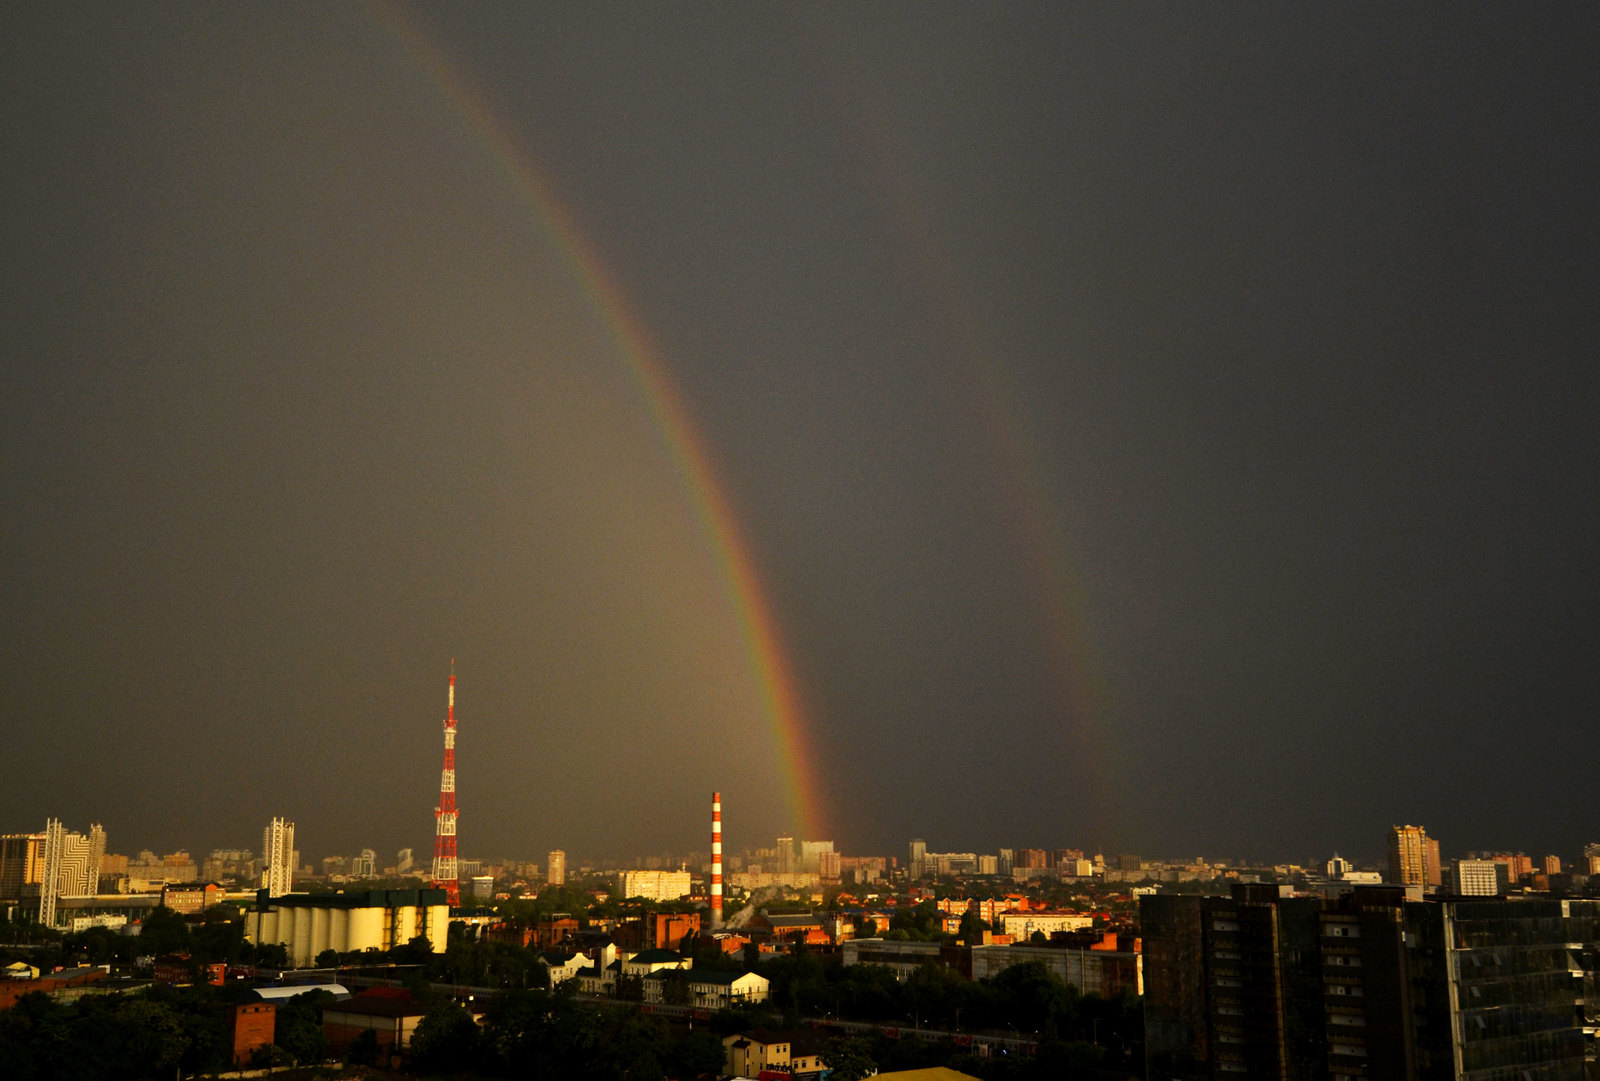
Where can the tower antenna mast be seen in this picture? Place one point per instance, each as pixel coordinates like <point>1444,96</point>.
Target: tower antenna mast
<point>446,874</point>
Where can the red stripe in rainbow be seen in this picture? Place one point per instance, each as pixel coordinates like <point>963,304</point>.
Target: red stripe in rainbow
<point>780,699</point>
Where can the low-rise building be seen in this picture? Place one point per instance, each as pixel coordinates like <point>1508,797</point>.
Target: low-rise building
<point>753,1054</point>
<point>1091,970</point>
<point>901,957</point>
<point>190,897</point>
<point>563,966</point>
<point>390,1013</point>
<point>708,990</point>
<point>1022,925</point>
<point>254,1026</point>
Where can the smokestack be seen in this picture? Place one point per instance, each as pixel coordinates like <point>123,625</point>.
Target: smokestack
<point>716,860</point>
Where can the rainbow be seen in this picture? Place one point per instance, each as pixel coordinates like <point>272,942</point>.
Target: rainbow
<point>692,457</point>
<point>1083,695</point>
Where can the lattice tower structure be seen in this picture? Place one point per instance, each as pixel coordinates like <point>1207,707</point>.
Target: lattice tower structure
<point>446,872</point>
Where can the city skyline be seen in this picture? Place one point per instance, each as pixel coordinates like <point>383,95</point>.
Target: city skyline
<point>1165,430</point>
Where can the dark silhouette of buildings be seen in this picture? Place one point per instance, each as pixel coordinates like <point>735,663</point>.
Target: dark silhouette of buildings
<point>1377,984</point>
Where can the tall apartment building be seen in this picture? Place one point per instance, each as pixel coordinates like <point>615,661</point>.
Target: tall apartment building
<point>917,863</point>
<point>1376,985</point>
<point>1476,878</point>
<point>69,866</point>
<point>656,885</point>
<point>21,861</point>
<point>277,857</point>
<point>811,854</point>
<point>1413,857</point>
<point>557,874</point>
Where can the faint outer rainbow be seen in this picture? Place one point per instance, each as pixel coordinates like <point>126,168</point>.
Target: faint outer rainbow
<point>780,699</point>
<point>1086,701</point>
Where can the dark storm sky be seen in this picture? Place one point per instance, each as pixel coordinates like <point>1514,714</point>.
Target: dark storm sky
<point>1159,429</point>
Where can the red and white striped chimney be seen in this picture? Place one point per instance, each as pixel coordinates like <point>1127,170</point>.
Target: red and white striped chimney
<point>716,860</point>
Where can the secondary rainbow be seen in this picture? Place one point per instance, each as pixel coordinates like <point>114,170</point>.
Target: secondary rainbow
<point>780,699</point>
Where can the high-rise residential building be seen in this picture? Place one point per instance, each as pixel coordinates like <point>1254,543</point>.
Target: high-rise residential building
<point>557,874</point>
<point>655,885</point>
<point>21,861</point>
<point>277,857</point>
<point>1476,878</point>
<point>365,865</point>
<point>811,854</point>
<point>785,854</point>
<point>1412,858</point>
<point>1517,864</point>
<point>917,864</point>
<point>69,866</point>
<point>404,861</point>
<point>1375,985</point>
<point>1432,865</point>
<point>1552,865</point>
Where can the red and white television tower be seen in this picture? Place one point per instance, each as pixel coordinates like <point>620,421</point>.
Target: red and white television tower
<point>445,874</point>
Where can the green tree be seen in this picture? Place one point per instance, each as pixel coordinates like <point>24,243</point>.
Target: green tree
<point>848,1058</point>
<point>447,1037</point>
<point>155,1040</point>
<point>630,988</point>
<point>419,951</point>
<point>699,1052</point>
<point>299,1027</point>
<point>1033,998</point>
<point>163,931</point>
<point>675,987</point>
<point>364,1049</point>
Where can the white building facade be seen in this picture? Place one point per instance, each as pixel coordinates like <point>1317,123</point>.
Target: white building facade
<point>277,857</point>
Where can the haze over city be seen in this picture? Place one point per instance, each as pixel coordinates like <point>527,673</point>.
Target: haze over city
<point>1150,430</point>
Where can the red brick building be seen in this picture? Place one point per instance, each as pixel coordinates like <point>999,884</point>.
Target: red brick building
<point>254,1026</point>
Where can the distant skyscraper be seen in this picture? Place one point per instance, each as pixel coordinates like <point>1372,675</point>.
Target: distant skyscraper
<point>69,866</point>
<point>557,875</point>
<point>917,864</point>
<point>1413,857</point>
<point>811,854</point>
<point>364,865</point>
<point>277,857</point>
<point>21,857</point>
<point>1476,878</point>
<point>404,861</point>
